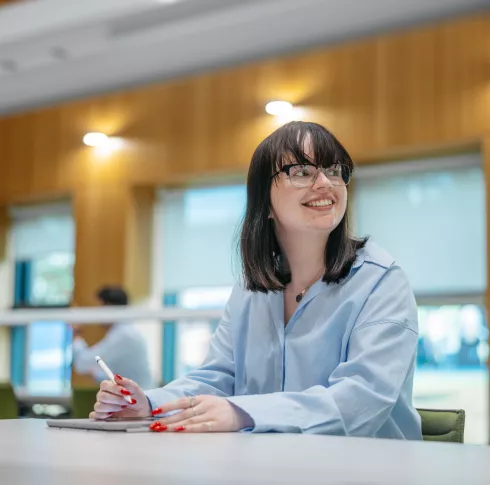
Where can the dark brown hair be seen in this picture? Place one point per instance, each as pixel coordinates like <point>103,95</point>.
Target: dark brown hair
<point>260,251</point>
<point>113,296</point>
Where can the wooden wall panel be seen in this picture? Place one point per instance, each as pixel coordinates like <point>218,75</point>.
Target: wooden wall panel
<point>138,263</point>
<point>381,96</point>
<point>100,213</point>
<point>4,233</point>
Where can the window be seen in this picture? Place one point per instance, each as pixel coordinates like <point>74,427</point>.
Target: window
<point>52,279</point>
<point>198,243</point>
<point>430,215</point>
<point>193,338</point>
<point>49,357</point>
<point>43,250</point>
<point>199,236</point>
<point>452,337</point>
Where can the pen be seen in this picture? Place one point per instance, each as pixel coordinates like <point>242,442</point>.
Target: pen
<point>109,374</point>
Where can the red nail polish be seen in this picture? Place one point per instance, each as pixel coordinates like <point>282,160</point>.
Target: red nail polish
<point>156,411</point>
<point>123,406</point>
<point>158,427</point>
<point>180,428</point>
<point>117,376</point>
<point>133,400</point>
<point>125,392</point>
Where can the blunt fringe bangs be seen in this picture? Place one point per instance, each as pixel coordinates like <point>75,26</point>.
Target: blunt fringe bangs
<point>260,252</point>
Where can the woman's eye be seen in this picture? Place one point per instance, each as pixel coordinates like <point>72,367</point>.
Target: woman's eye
<point>303,172</point>
<point>334,172</point>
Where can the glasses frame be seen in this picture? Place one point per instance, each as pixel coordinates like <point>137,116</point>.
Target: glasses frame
<point>286,169</point>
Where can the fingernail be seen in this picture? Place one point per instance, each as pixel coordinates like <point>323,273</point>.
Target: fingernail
<point>133,400</point>
<point>156,411</point>
<point>118,377</point>
<point>158,427</point>
<point>125,392</point>
<point>179,428</point>
<point>124,406</point>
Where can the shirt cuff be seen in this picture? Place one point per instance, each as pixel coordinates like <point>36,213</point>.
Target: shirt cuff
<point>247,411</point>
<point>269,413</point>
<point>248,423</point>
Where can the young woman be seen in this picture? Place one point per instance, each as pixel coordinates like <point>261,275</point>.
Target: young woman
<point>321,334</point>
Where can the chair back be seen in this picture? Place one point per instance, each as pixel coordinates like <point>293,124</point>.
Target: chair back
<point>9,408</point>
<point>443,425</point>
<point>82,401</point>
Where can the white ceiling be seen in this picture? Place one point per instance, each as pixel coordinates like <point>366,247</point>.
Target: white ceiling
<point>53,50</point>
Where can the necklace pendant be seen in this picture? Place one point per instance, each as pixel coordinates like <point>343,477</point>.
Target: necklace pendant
<point>299,297</point>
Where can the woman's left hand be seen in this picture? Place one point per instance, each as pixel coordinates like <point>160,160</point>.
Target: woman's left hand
<point>201,414</point>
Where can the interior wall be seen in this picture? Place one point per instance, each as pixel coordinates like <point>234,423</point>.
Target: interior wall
<point>408,91</point>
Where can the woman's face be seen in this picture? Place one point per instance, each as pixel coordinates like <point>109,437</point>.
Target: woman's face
<point>318,208</point>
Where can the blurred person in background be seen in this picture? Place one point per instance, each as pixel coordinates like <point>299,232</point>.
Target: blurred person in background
<point>122,348</point>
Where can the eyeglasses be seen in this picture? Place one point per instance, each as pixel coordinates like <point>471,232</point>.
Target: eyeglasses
<point>305,175</point>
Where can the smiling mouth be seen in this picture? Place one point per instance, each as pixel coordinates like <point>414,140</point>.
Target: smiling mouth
<point>319,203</point>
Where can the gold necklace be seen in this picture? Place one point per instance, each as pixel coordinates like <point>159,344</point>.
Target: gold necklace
<point>301,295</point>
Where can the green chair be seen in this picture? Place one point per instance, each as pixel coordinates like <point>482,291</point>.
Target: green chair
<point>82,401</point>
<point>442,425</point>
<point>9,408</point>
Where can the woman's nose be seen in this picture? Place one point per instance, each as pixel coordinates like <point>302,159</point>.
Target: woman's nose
<point>321,180</point>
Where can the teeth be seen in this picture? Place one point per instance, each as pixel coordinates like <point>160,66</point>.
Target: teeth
<point>319,203</point>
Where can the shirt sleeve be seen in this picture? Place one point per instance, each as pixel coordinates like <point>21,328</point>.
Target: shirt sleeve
<point>216,376</point>
<point>84,356</point>
<point>361,391</point>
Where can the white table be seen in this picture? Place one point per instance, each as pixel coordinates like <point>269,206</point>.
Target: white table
<point>31,453</point>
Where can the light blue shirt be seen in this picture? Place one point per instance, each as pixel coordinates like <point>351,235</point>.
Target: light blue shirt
<point>343,365</point>
<point>124,351</point>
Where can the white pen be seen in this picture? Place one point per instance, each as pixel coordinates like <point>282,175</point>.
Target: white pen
<point>109,374</point>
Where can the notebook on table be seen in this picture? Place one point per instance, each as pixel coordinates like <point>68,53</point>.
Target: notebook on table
<point>110,424</point>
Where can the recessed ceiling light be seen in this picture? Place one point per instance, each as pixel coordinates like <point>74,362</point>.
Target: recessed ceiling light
<point>95,139</point>
<point>279,108</point>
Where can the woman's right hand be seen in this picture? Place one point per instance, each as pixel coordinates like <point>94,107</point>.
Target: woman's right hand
<point>111,400</point>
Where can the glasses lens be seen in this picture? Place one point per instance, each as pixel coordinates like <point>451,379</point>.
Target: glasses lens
<point>346,174</point>
<point>302,175</point>
<point>335,175</point>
